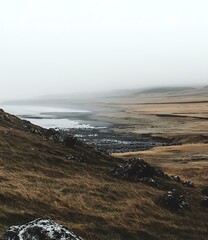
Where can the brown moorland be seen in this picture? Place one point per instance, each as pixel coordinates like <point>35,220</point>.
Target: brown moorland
<point>37,180</point>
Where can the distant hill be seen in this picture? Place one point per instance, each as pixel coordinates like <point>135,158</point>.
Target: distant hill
<point>167,89</point>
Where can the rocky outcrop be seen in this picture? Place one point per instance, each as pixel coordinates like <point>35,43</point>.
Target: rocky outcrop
<point>5,117</point>
<point>60,137</point>
<point>138,170</point>
<point>173,200</point>
<point>40,229</point>
<point>184,182</point>
<point>134,169</point>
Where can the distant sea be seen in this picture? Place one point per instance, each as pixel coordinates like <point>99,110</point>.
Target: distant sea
<point>52,117</point>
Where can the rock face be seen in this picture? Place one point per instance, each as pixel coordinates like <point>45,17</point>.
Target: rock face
<point>40,229</point>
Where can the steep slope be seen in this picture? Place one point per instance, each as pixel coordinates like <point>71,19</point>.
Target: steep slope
<point>42,177</point>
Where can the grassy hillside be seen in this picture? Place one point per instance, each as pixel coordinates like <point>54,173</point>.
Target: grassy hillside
<point>37,180</point>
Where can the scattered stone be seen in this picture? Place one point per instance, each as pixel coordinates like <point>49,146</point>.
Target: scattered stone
<point>151,181</point>
<point>174,201</point>
<point>204,202</point>
<point>40,229</point>
<point>185,183</point>
<point>81,158</point>
<point>117,142</point>
<point>188,184</point>
<point>71,157</point>
<point>175,178</point>
<point>205,191</point>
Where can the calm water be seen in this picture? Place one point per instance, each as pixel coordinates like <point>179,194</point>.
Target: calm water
<point>50,117</point>
<point>81,125</point>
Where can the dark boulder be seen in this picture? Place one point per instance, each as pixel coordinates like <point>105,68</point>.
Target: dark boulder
<point>175,178</point>
<point>40,229</point>
<point>71,157</point>
<point>173,200</point>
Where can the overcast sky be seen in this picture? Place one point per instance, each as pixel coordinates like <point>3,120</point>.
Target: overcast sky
<point>64,46</point>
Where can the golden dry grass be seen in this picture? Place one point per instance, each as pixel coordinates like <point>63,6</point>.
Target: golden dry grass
<point>159,113</point>
<point>36,180</point>
<point>187,160</point>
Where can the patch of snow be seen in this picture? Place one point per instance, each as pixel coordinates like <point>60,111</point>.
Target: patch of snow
<point>40,229</point>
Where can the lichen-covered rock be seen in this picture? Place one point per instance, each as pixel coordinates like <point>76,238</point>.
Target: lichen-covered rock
<point>40,229</point>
